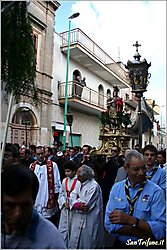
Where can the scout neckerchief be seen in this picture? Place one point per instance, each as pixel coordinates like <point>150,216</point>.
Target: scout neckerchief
<point>132,202</point>
<point>151,175</point>
<point>50,176</point>
<point>72,187</point>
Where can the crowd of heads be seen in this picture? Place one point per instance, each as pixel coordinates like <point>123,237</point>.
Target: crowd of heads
<point>15,154</point>
<point>74,161</point>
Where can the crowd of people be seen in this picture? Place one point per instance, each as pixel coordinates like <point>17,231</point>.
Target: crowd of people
<point>67,199</point>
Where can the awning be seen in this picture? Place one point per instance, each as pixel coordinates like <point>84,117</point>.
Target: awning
<point>60,126</point>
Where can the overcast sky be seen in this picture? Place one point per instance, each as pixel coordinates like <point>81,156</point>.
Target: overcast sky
<point>116,25</point>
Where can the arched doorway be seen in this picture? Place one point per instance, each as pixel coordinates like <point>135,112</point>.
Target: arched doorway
<point>22,126</point>
<point>108,93</point>
<point>77,86</point>
<point>76,73</point>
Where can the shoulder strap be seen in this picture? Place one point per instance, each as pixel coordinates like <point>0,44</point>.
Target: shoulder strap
<point>66,187</point>
<point>72,187</point>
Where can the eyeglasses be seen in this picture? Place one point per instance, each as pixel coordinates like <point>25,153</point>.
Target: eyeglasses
<point>137,169</point>
<point>115,151</point>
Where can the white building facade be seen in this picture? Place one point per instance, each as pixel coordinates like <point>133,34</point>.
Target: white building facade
<point>87,60</point>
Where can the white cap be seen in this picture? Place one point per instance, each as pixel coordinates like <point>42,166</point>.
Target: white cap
<point>59,153</point>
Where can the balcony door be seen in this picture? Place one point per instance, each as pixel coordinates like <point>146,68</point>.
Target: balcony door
<point>101,96</point>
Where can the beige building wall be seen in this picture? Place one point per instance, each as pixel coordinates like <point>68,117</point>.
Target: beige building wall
<point>42,14</point>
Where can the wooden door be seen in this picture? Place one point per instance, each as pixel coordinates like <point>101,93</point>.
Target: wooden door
<point>18,135</point>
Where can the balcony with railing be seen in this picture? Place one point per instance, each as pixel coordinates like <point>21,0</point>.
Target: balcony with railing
<point>82,98</point>
<point>87,53</point>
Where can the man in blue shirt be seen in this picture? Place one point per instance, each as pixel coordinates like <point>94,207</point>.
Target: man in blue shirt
<point>21,225</point>
<point>135,211</point>
<point>161,158</point>
<point>154,173</point>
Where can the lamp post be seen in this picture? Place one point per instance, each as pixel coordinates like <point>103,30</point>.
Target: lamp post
<point>70,122</point>
<point>66,87</point>
<point>138,78</point>
<point>161,128</point>
<point>26,122</point>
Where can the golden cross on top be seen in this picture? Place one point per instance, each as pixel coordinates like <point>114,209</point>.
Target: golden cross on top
<point>136,45</point>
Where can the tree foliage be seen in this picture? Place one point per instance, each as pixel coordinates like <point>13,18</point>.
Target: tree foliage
<point>18,61</point>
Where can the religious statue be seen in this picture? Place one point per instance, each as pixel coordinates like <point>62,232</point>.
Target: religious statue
<point>115,103</point>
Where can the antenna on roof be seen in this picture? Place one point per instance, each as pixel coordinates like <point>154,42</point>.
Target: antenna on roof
<point>119,59</point>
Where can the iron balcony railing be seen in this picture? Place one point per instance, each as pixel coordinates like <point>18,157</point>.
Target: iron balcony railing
<point>84,94</point>
<point>79,37</point>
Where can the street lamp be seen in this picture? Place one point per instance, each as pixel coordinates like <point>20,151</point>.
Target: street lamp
<point>26,122</point>
<point>66,87</point>
<point>138,78</point>
<point>69,117</point>
<point>152,106</point>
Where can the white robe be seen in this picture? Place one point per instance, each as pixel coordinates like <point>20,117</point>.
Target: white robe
<point>87,230</point>
<point>43,192</point>
<point>66,214</point>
